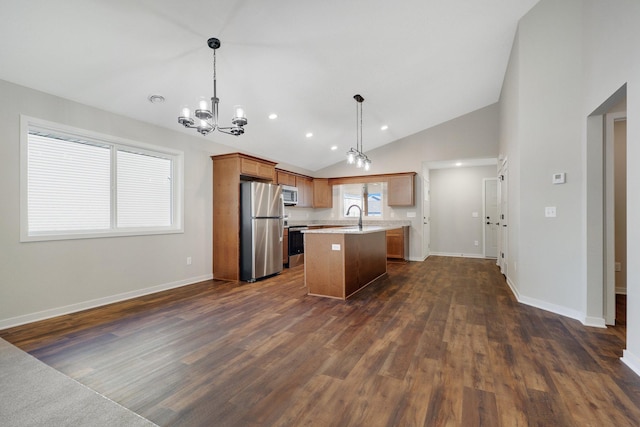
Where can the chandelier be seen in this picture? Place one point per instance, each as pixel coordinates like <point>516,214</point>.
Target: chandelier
<point>357,155</point>
<point>206,119</point>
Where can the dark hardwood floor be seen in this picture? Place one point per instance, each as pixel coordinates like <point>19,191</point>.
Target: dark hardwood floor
<point>438,343</point>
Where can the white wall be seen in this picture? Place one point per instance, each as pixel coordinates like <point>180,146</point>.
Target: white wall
<point>569,57</point>
<point>42,279</point>
<point>472,136</point>
<point>456,193</point>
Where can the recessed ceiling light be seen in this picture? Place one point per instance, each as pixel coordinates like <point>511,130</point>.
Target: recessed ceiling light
<point>273,116</point>
<point>156,99</point>
<point>384,127</point>
<point>334,147</point>
<point>458,164</point>
<point>309,135</point>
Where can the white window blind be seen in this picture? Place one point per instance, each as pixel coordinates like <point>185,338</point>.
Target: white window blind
<point>68,185</point>
<point>144,190</point>
<point>78,184</point>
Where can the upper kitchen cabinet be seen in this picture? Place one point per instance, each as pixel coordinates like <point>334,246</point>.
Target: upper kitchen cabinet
<point>257,168</point>
<point>305,191</point>
<point>285,178</point>
<point>401,189</point>
<point>322,193</point>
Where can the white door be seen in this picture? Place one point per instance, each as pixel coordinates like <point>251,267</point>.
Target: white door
<point>503,220</point>
<point>426,218</point>
<point>490,217</point>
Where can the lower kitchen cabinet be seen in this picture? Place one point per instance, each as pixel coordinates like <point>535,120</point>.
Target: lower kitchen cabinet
<point>398,243</point>
<point>285,247</point>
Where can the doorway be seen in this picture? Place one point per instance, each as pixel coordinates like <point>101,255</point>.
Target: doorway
<point>503,232</point>
<point>490,229</point>
<point>426,216</point>
<point>615,176</point>
<point>600,210</point>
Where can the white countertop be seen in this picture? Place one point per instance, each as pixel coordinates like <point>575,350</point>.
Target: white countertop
<point>351,230</point>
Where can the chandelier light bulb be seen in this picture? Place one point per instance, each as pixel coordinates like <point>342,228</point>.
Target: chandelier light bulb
<point>351,156</point>
<point>186,112</point>
<point>202,104</point>
<point>239,112</point>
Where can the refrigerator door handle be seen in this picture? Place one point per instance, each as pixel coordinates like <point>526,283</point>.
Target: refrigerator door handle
<point>281,217</point>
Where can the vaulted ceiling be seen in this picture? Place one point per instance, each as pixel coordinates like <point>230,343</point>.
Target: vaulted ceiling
<point>417,63</point>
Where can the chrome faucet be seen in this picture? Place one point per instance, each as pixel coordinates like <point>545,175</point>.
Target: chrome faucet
<point>359,219</point>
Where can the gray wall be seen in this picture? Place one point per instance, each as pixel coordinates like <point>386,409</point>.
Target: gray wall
<point>42,279</point>
<point>456,193</point>
<point>568,58</point>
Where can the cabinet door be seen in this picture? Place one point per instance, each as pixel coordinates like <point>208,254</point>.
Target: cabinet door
<point>305,191</point>
<point>395,244</point>
<point>285,247</point>
<point>257,169</point>
<point>286,178</point>
<point>400,190</point>
<point>322,193</point>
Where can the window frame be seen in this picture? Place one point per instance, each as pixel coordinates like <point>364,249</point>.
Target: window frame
<point>114,143</point>
<point>345,189</point>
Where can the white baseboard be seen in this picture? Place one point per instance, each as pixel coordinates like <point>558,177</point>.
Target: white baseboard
<point>457,254</point>
<point>631,360</point>
<point>85,305</point>
<point>596,322</point>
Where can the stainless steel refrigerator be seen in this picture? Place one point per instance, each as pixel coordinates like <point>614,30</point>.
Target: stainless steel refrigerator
<point>261,230</point>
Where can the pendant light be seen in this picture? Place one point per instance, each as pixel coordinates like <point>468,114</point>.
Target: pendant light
<point>356,156</point>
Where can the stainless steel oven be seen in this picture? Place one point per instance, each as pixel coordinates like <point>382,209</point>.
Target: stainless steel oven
<point>296,245</point>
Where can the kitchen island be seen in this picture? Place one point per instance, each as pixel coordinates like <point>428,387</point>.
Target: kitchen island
<point>341,261</point>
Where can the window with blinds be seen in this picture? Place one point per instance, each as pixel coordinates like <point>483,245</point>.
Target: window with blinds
<point>77,184</point>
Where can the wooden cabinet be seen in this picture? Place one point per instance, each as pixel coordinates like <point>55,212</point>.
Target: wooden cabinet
<point>322,193</point>
<point>285,178</point>
<point>257,168</point>
<point>400,190</point>
<point>227,170</point>
<point>305,191</point>
<point>398,243</point>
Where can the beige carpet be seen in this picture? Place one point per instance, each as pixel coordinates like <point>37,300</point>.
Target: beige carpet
<point>34,394</point>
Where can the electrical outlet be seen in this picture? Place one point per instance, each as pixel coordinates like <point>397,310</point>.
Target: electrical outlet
<point>550,211</point>
<point>476,243</point>
<point>618,266</point>
<point>188,260</point>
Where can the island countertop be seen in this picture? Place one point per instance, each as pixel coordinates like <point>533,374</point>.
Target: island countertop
<point>366,229</point>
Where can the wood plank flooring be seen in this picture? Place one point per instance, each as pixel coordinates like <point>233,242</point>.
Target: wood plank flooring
<point>438,343</point>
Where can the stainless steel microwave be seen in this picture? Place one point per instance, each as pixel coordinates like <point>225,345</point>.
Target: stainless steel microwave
<point>290,195</point>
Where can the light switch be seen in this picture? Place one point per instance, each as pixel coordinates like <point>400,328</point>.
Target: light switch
<point>559,178</point>
<point>474,214</point>
<point>550,212</point>
<point>411,214</point>
<point>335,246</point>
